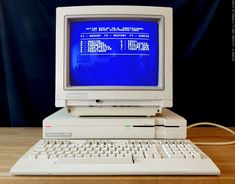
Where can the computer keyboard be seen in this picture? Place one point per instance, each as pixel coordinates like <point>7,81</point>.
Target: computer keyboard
<point>114,157</point>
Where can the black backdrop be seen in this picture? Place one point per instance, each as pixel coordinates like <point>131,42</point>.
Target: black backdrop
<point>203,69</point>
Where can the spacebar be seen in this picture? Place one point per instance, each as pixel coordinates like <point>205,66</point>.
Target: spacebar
<point>95,160</point>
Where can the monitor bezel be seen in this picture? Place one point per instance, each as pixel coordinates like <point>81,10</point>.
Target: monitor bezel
<point>80,18</point>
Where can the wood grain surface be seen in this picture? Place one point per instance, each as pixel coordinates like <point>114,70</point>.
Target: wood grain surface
<point>15,141</point>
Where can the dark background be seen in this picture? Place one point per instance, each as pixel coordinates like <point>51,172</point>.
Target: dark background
<point>203,68</point>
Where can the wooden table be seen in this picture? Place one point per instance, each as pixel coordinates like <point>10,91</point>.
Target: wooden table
<point>15,141</point>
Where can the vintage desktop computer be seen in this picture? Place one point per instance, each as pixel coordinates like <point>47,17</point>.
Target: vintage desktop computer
<point>114,75</point>
<point>114,84</point>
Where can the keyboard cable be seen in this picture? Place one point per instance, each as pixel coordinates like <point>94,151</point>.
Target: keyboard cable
<point>215,125</point>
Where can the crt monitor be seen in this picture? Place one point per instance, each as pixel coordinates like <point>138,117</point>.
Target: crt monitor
<point>114,56</point>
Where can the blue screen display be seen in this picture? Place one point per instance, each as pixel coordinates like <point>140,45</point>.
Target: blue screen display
<point>114,53</point>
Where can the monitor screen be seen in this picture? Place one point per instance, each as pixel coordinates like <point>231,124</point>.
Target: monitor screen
<point>121,53</point>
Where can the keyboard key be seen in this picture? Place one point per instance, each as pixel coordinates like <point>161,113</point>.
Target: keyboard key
<point>96,160</point>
